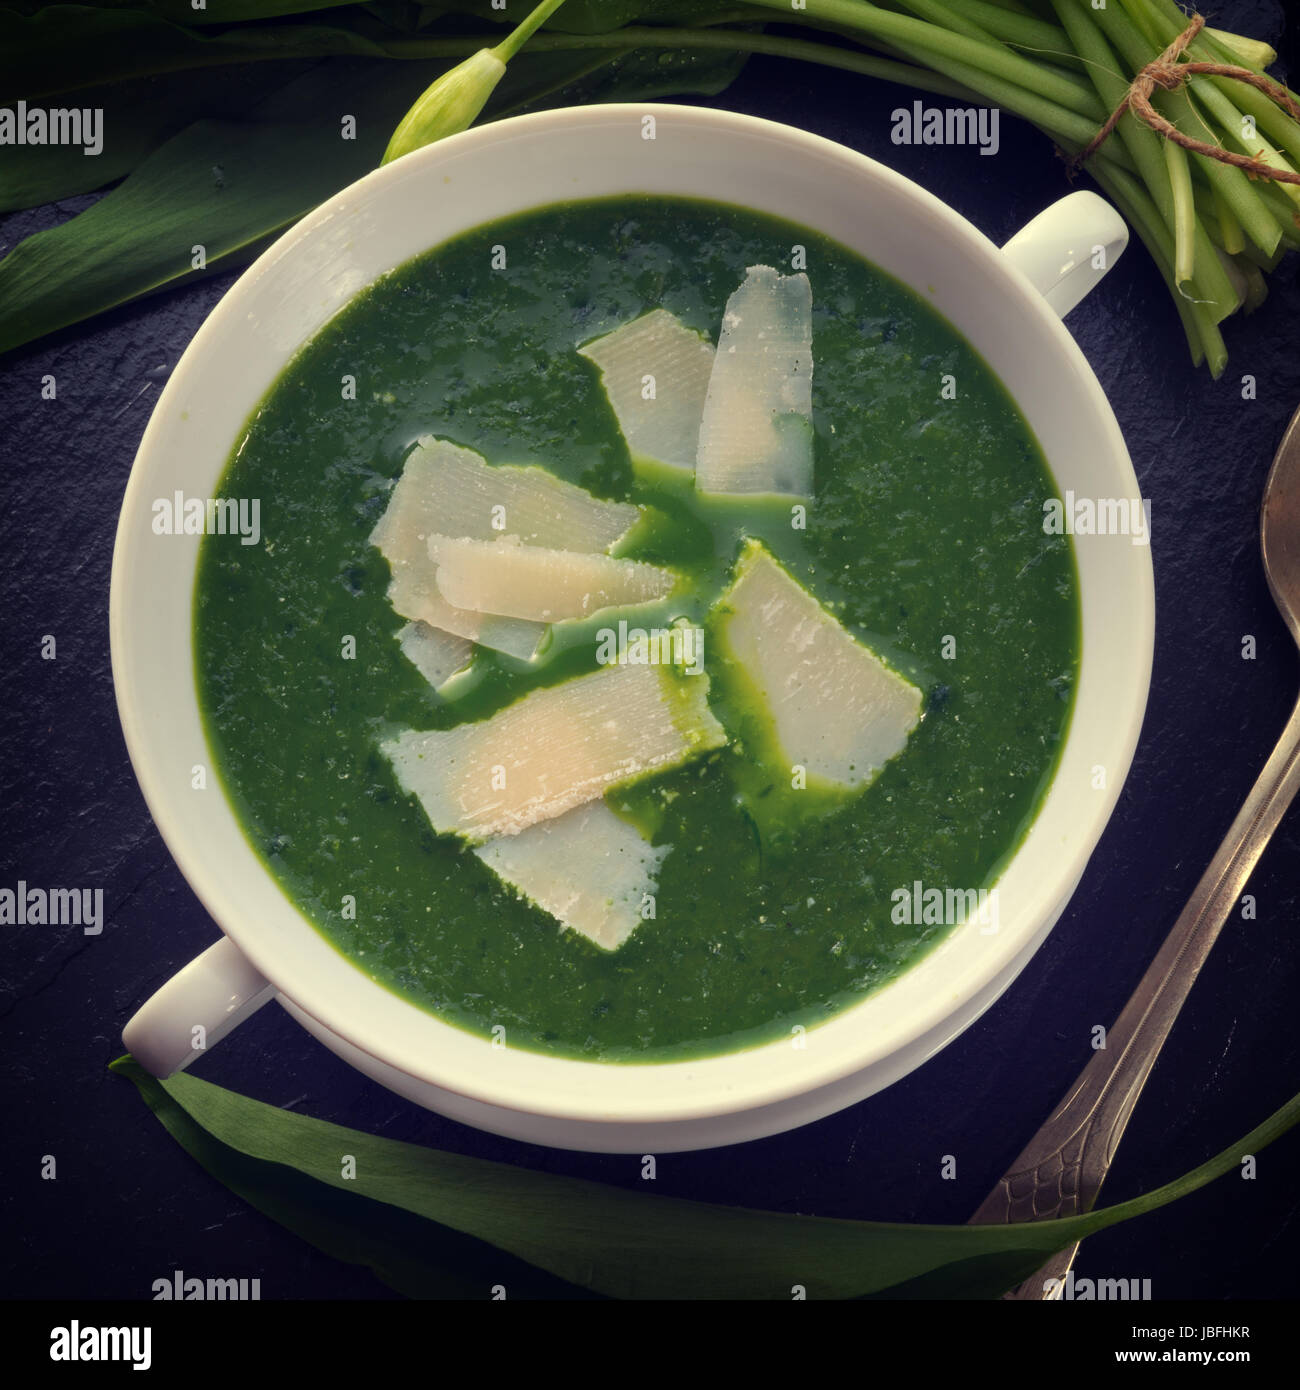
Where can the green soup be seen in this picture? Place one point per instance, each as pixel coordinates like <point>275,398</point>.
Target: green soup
<point>924,537</point>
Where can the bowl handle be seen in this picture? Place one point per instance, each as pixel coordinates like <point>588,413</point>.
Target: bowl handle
<point>1068,247</point>
<point>197,1007</point>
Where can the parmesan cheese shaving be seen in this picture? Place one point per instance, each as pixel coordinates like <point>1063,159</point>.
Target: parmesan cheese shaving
<point>587,868</point>
<point>554,749</point>
<point>446,490</point>
<point>655,372</point>
<point>434,653</point>
<point>836,708</point>
<point>534,583</point>
<point>414,594</point>
<point>756,432</point>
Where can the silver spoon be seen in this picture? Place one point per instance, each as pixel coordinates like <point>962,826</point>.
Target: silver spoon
<point>1061,1170</point>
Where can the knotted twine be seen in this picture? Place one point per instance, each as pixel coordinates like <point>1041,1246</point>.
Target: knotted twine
<point>1168,73</point>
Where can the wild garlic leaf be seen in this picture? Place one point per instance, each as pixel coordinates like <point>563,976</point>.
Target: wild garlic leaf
<point>67,48</point>
<point>602,16</point>
<point>223,11</point>
<point>622,1244</point>
<point>408,1253</point>
<point>229,186</point>
<point>139,116</point>
<point>219,185</point>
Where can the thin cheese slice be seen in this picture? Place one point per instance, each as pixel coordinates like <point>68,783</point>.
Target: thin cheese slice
<point>836,709</point>
<point>655,372</point>
<point>450,491</point>
<point>534,583</point>
<point>588,868</point>
<point>437,655</point>
<point>756,432</point>
<point>554,749</point>
<point>414,594</point>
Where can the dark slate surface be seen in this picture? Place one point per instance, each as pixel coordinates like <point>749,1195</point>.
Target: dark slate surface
<point>128,1206</point>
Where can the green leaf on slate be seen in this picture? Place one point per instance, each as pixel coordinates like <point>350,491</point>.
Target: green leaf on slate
<point>582,79</point>
<point>221,185</point>
<point>230,185</point>
<point>69,47</point>
<point>139,116</point>
<point>223,11</point>
<point>603,16</point>
<point>576,16</point>
<point>408,1253</point>
<point>588,16</point>
<point>618,1243</point>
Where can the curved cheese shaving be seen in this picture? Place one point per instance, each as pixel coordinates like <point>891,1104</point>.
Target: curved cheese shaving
<point>446,490</point>
<point>414,594</point>
<point>836,708</point>
<point>554,749</point>
<point>534,583</point>
<point>756,433</point>
<point>655,372</point>
<point>434,653</point>
<point>587,868</point>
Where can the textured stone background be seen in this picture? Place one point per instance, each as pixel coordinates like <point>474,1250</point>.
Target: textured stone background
<point>129,1206</point>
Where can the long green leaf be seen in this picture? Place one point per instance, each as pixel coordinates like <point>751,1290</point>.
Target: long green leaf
<point>229,185</point>
<point>219,184</point>
<point>577,16</point>
<point>69,47</point>
<point>405,14</point>
<point>583,78</point>
<point>138,118</point>
<point>602,16</point>
<point>614,1242</point>
<point>417,1257</point>
<point>216,11</point>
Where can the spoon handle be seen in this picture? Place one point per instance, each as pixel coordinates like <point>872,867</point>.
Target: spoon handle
<point>1061,1170</point>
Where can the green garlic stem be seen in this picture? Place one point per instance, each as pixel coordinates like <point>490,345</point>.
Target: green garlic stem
<point>1180,181</point>
<point>525,29</point>
<point>993,58</point>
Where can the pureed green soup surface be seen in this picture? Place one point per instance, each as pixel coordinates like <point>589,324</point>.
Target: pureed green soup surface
<point>924,537</point>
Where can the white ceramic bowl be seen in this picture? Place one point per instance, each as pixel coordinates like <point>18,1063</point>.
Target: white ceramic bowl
<point>1007,303</point>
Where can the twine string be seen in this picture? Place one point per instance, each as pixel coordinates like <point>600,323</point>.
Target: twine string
<point>1168,73</point>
